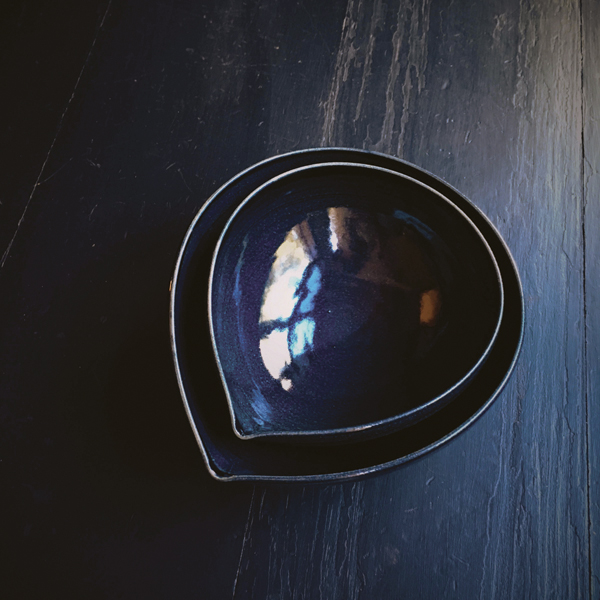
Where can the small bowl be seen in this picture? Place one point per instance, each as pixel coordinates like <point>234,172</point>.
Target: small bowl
<point>227,458</point>
<point>347,301</point>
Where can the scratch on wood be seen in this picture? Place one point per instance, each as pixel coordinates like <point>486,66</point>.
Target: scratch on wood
<point>417,60</point>
<point>184,181</point>
<point>58,130</point>
<point>387,130</point>
<point>351,555</point>
<point>376,22</point>
<point>55,172</point>
<point>488,525</point>
<point>345,57</point>
<point>460,560</point>
<point>245,539</point>
<point>416,63</point>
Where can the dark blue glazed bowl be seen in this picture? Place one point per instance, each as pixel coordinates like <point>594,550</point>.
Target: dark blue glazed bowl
<point>226,456</point>
<point>347,301</point>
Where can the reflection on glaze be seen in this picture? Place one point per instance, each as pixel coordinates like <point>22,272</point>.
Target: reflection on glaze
<point>313,285</point>
<point>280,298</point>
<point>301,338</point>
<point>337,228</point>
<point>291,260</point>
<point>430,307</point>
<point>275,353</point>
<point>262,409</point>
<point>318,297</point>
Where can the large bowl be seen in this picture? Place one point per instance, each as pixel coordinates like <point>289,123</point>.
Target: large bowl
<point>347,301</point>
<point>228,458</point>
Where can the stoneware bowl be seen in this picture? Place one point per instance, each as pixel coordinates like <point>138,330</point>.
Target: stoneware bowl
<point>226,456</point>
<point>347,301</point>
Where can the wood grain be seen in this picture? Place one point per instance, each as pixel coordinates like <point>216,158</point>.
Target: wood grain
<point>107,493</point>
<point>488,97</point>
<point>591,195</point>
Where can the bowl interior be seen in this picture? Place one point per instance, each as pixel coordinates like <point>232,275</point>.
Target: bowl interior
<point>347,298</point>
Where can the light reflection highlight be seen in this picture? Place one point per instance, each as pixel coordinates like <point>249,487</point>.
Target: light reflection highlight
<point>301,338</point>
<point>430,307</point>
<point>358,247</point>
<point>313,284</point>
<point>291,260</point>
<point>275,353</point>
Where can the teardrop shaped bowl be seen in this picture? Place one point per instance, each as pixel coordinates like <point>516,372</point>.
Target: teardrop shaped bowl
<point>347,301</point>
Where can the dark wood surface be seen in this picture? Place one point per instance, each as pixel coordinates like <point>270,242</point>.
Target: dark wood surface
<point>121,118</point>
<point>591,212</point>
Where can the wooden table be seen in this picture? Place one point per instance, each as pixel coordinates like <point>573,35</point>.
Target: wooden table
<point>121,117</point>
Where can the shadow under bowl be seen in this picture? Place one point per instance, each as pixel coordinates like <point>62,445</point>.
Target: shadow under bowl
<point>347,301</point>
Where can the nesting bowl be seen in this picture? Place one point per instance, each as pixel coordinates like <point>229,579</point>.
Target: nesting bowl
<point>347,301</point>
<point>229,458</point>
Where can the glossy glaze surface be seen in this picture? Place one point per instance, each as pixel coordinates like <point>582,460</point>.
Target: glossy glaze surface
<point>348,301</point>
<point>227,457</point>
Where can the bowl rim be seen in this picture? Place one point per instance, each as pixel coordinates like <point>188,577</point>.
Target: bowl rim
<point>380,426</point>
